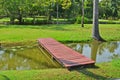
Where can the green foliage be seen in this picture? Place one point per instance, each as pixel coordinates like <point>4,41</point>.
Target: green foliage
<point>16,9</point>
<point>116,63</point>
<point>114,7</point>
<point>68,9</point>
<point>88,8</point>
<point>66,4</point>
<point>109,8</point>
<point>86,20</point>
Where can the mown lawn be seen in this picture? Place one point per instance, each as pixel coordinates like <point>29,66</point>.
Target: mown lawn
<point>64,33</point>
<point>104,71</point>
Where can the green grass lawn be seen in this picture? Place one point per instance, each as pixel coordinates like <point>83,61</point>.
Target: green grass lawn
<point>4,19</point>
<point>109,21</point>
<point>64,33</point>
<point>104,71</point>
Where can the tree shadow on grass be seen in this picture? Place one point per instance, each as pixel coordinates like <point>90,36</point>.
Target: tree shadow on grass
<point>54,27</point>
<point>3,77</point>
<point>44,27</point>
<point>84,71</point>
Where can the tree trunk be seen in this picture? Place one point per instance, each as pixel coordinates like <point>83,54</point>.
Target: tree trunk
<point>57,11</point>
<point>49,14</point>
<point>95,33</point>
<point>34,22</point>
<point>49,17</point>
<point>12,20</point>
<point>82,20</point>
<point>20,17</point>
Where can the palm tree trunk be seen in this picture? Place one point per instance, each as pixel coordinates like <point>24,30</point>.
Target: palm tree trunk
<point>95,33</point>
<point>57,12</point>
<point>82,20</point>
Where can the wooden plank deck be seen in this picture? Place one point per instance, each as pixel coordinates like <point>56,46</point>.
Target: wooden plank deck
<point>63,54</point>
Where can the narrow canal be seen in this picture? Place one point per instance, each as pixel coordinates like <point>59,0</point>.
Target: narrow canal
<point>30,56</point>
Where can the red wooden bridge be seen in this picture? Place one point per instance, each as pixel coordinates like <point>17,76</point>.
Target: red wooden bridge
<point>63,54</point>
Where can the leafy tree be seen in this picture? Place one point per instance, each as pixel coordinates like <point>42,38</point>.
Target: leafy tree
<point>109,8</point>
<point>2,13</point>
<point>88,8</point>
<point>105,9</point>
<point>66,4</point>
<point>70,9</point>
<point>61,6</point>
<point>16,9</point>
<point>74,12</point>
<point>114,8</point>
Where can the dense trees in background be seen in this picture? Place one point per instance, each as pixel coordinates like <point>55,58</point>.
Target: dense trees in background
<point>110,9</point>
<point>52,9</point>
<point>16,9</point>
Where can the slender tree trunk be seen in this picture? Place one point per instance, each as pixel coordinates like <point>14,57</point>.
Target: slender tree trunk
<point>57,12</point>
<point>49,17</point>
<point>95,33</point>
<point>12,20</point>
<point>82,20</point>
<point>34,20</point>
<point>20,17</point>
<point>49,14</point>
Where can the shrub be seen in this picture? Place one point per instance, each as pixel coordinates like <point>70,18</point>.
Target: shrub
<point>86,20</point>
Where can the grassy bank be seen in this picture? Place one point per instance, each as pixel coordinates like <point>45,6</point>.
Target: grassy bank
<point>64,33</point>
<point>104,71</point>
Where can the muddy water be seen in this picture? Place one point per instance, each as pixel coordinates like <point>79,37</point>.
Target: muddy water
<point>100,52</point>
<point>25,58</point>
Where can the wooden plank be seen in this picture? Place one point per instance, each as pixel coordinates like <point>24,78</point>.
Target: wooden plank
<point>63,54</point>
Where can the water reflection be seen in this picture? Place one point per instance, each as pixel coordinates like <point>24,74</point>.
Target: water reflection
<point>28,57</point>
<point>25,58</point>
<point>100,52</point>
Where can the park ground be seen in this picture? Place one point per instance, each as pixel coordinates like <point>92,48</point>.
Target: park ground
<point>64,33</point>
<point>103,71</point>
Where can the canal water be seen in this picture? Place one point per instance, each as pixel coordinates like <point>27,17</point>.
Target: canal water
<point>98,51</point>
<point>27,57</point>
